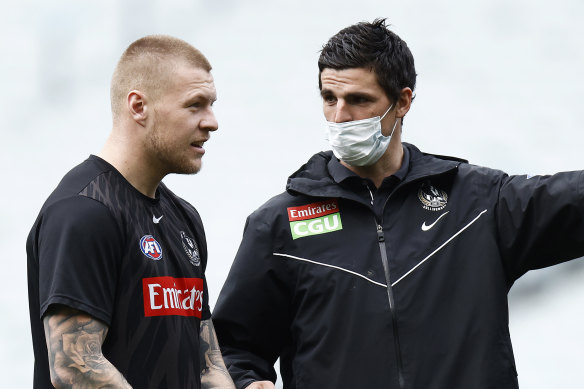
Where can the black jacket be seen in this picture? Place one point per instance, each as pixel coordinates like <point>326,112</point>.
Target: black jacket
<point>309,283</point>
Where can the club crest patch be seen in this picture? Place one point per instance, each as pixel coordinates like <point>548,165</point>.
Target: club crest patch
<point>432,198</point>
<point>151,248</point>
<point>314,219</point>
<point>191,248</point>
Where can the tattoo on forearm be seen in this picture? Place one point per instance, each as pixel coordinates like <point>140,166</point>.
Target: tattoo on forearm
<point>214,374</point>
<point>74,342</point>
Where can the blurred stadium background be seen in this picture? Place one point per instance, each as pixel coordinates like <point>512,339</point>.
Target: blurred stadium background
<point>500,84</point>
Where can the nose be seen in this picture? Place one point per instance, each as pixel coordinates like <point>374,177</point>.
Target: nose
<point>209,122</point>
<point>342,113</point>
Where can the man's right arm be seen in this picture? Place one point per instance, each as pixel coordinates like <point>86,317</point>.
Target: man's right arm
<point>74,341</point>
<point>252,316</point>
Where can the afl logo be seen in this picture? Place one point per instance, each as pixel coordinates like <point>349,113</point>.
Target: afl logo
<point>150,247</point>
<point>432,198</point>
<point>191,248</point>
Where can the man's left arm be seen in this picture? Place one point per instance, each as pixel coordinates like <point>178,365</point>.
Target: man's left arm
<point>214,374</point>
<point>540,220</point>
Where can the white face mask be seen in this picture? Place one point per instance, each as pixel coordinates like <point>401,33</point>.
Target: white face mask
<point>359,142</point>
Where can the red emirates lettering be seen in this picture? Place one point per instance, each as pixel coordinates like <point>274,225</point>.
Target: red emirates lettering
<point>311,211</point>
<point>169,296</point>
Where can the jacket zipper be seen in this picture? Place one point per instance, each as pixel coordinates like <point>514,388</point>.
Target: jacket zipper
<point>381,240</point>
<point>392,310</point>
<point>390,296</point>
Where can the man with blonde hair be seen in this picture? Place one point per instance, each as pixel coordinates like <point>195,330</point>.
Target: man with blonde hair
<point>116,261</point>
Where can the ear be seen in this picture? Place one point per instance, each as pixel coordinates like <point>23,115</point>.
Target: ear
<point>404,102</point>
<point>137,106</point>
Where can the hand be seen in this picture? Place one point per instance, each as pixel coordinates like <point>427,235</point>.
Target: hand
<point>261,385</point>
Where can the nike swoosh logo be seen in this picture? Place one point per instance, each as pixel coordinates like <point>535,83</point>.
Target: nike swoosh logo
<point>156,219</point>
<point>427,227</point>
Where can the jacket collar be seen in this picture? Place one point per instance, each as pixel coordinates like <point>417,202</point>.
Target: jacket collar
<point>313,178</point>
<point>341,173</point>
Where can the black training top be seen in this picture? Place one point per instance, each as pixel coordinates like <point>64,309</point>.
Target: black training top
<point>411,294</point>
<point>135,263</point>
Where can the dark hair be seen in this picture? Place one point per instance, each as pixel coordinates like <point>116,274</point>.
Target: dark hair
<point>373,46</point>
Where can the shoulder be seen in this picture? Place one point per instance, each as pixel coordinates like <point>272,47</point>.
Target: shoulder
<point>83,191</point>
<point>77,216</point>
<point>273,218</point>
<point>275,206</point>
<point>465,169</point>
<point>481,174</point>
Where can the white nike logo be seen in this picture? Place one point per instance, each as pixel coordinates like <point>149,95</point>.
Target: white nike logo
<point>427,227</point>
<point>156,219</point>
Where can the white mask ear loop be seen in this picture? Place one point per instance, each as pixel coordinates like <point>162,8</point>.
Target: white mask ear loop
<point>394,125</point>
<point>389,109</point>
<point>396,119</point>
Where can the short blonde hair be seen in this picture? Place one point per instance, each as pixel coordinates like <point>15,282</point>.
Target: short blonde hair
<point>147,65</point>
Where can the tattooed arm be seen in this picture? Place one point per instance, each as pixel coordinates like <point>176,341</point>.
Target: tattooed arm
<point>214,374</point>
<point>74,342</point>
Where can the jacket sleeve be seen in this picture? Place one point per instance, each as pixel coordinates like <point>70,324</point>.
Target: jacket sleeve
<point>251,317</point>
<point>540,220</point>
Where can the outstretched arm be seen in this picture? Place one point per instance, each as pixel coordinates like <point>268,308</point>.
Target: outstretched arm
<point>214,374</point>
<point>74,342</point>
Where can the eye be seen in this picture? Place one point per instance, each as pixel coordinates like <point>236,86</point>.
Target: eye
<point>329,99</point>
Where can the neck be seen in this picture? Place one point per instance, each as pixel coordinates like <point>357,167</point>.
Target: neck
<point>388,164</point>
<point>127,157</point>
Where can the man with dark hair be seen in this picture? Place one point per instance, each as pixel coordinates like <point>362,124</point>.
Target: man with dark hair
<point>382,266</point>
<point>374,47</point>
<point>116,261</point>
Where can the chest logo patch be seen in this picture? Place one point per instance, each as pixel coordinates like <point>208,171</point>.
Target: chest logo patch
<point>191,248</point>
<point>314,219</point>
<point>432,198</point>
<point>169,296</point>
<point>151,248</point>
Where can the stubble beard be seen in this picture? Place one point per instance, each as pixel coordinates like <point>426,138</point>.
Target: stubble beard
<point>170,155</point>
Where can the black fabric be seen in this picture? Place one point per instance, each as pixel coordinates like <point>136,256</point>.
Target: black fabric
<point>377,197</point>
<point>456,237</point>
<point>84,252</point>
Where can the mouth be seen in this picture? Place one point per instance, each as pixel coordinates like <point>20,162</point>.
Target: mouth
<point>198,144</point>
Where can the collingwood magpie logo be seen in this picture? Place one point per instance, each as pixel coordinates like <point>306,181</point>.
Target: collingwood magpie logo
<point>191,248</point>
<point>432,198</point>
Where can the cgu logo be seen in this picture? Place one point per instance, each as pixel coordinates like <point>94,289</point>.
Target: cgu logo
<point>316,226</point>
<point>315,218</point>
<point>150,247</point>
